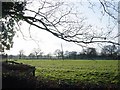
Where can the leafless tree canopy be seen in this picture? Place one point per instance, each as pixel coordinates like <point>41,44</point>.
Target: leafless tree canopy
<point>63,21</point>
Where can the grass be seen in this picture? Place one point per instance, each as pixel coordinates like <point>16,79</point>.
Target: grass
<point>71,72</point>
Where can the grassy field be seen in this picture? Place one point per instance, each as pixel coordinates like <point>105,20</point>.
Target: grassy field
<point>96,72</point>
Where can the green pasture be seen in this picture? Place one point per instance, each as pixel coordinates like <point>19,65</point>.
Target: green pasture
<point>74,71</point>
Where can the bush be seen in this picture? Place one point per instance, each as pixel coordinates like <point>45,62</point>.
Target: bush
<point>12,81</point>
<point>17,76</point>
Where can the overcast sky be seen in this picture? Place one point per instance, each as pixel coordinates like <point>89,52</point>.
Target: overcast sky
<point>49,43</point>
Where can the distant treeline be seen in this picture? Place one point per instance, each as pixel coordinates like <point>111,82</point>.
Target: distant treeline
<point>73,55</point>
<point>107,52</point>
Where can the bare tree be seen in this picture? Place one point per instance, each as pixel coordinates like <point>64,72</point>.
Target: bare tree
<point>21,54</point>
<point>109,50</point>
<point>109,9</point>
<point>37,52</point>
<point>55,15</point>
<point>59,18</point>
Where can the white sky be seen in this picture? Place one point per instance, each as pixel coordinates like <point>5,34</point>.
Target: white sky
<point>41,39</point>
<point>46,41</point>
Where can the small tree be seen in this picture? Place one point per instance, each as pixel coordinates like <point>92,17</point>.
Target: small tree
<point>31,55</point>
<point>91,51</point>
<point>73,55</point>
<point>66,54</point>
<point>37,52</point>
<point>49,55</point>
<point>109,50</point>
<point>21,54</point>
<point>58,53</point>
